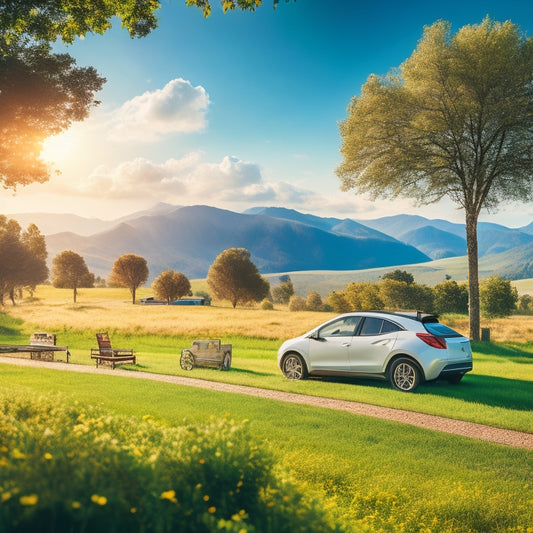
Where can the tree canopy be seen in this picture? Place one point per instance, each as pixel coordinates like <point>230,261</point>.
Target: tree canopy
<point>70,271</point>
<point>234,277</point>
<point>170,286</point>
<point>22,257</point>
<point>41,94</point>
<point>130,271</point>
<point>454,120</point>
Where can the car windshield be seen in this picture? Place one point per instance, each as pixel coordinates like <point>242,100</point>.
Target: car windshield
<point>436,328</point>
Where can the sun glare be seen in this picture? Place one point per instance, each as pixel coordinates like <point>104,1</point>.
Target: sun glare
<point>59,147</point>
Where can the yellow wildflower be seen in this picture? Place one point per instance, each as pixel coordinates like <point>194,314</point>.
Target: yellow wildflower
<point>31,499</point>
<point>99,500</point>
<point>47,456</point>
<point>5,496</point>
<point>169,495</point>
<point>76,505</point>
<point>212,510</point>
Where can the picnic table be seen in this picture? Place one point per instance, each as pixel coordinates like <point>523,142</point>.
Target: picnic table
<point>36,351</point>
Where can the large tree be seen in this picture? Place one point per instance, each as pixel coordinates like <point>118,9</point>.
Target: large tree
<point>69,271</point>
<point>234,277</point>
<point>454,120</point>
<point>41,94</point>
<point>130,271</point>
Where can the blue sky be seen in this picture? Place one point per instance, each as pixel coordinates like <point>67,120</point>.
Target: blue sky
<point>240,110</point>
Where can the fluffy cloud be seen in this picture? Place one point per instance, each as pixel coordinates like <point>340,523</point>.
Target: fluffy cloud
<point>191,180</point>
<point>176,108</point>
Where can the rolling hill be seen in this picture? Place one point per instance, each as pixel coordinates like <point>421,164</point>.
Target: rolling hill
<point>188,239</point>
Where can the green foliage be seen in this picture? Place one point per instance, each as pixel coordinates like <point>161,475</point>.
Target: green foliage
<point>70,271</point>
<point>525,304</point>
<point>234,277</point>
<point>129,270</point>
<point>170,286</point>
<point>399,275</point>
<point>22,257</point>
<point>498,297</point>
<point>41,94</point>
<point>363,296</point>
<point>267,305</point>
<point>66,467</point>
<point>314,302</point>
<point>282,293</point>
<point>451,297</point>
<point>338,302</point>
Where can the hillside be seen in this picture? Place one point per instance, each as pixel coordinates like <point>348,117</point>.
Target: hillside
<point>188,239</point>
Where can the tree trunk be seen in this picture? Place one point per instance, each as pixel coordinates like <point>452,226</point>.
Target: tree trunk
<point>133,291</point>
<point>473,274</point>
<point>75,294</point>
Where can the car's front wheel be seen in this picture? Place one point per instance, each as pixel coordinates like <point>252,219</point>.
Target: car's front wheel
<point>404,374</point>
<point>294,367</point>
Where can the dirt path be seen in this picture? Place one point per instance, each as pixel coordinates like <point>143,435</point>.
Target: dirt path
<point>436,423</point>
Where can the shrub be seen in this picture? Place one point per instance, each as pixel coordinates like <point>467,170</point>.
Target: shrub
<point>297,303</point>
<point>450,297</point>
<point>267,305</point>
<point>314,302</point>
<point>338,303</point>
<point>497,297</point>
<point>65,467</point>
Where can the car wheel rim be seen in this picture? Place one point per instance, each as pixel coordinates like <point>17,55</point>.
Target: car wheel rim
<point>187,362</point>
<point>404,376</point>
<point>293,368</point>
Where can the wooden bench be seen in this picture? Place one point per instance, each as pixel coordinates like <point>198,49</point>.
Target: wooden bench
<point>106,354</point>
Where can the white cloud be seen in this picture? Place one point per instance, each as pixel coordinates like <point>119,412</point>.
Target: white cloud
<point>176,108</point>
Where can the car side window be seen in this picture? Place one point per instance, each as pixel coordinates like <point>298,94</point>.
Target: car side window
<point>378,326</point>
<point>344,327</point>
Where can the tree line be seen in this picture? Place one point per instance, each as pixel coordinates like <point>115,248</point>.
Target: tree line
<point>235,278</point>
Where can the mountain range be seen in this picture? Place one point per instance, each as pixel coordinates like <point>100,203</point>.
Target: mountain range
<point>188,239</point>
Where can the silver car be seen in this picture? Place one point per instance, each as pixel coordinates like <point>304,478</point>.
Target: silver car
<point>405,348</point>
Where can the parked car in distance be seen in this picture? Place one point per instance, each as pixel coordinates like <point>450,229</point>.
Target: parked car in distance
<point>405,348</point>
<point>189,301</point>
<point>150,300</point>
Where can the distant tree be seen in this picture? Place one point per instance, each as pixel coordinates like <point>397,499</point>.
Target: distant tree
<point>451,297</point>
<point>363,296</point>
<point>525,304</point>
<point>41,94</point>
<point>454,120</point>
<point>282,293</point>
<point>22,258</point>
<point>130,271</point>
<point>297,303</point>
<point>498,297</point>
<point>100,282</point>
<point>314,302</point>
<point>399,295</point>
<point>338,303</point>
<point>70,271</point>
<point>234,277</point>
<point>400,275</point>
<point>170,286</point>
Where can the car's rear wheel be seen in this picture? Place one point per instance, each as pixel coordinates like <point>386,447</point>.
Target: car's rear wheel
<point>187,361</point>
<point>404,374</point>
<point>294,367</point>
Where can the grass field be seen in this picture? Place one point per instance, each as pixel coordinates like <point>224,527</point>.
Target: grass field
<point>375,475</point>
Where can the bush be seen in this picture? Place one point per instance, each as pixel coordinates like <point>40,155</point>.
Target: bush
<point>297,303</point>
<point>314,302</point>
<point>450,297</point>
<point>267,305</point>
<point>497,297</point>
<point>65,467</point>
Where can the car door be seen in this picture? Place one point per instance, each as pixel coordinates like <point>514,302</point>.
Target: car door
<point>328,347</point>
<point>371,346</point>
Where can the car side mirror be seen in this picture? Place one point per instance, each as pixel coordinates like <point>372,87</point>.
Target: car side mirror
<point>315,336</point>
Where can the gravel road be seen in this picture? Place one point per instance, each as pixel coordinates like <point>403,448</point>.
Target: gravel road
<point>436,423</point>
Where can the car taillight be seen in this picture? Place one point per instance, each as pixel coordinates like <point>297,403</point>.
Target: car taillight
<point>432,340</point>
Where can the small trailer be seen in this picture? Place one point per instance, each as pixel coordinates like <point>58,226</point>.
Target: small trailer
<point>206,353</point>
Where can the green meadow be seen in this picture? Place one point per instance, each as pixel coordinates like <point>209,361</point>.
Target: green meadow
<point>369,474</point>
